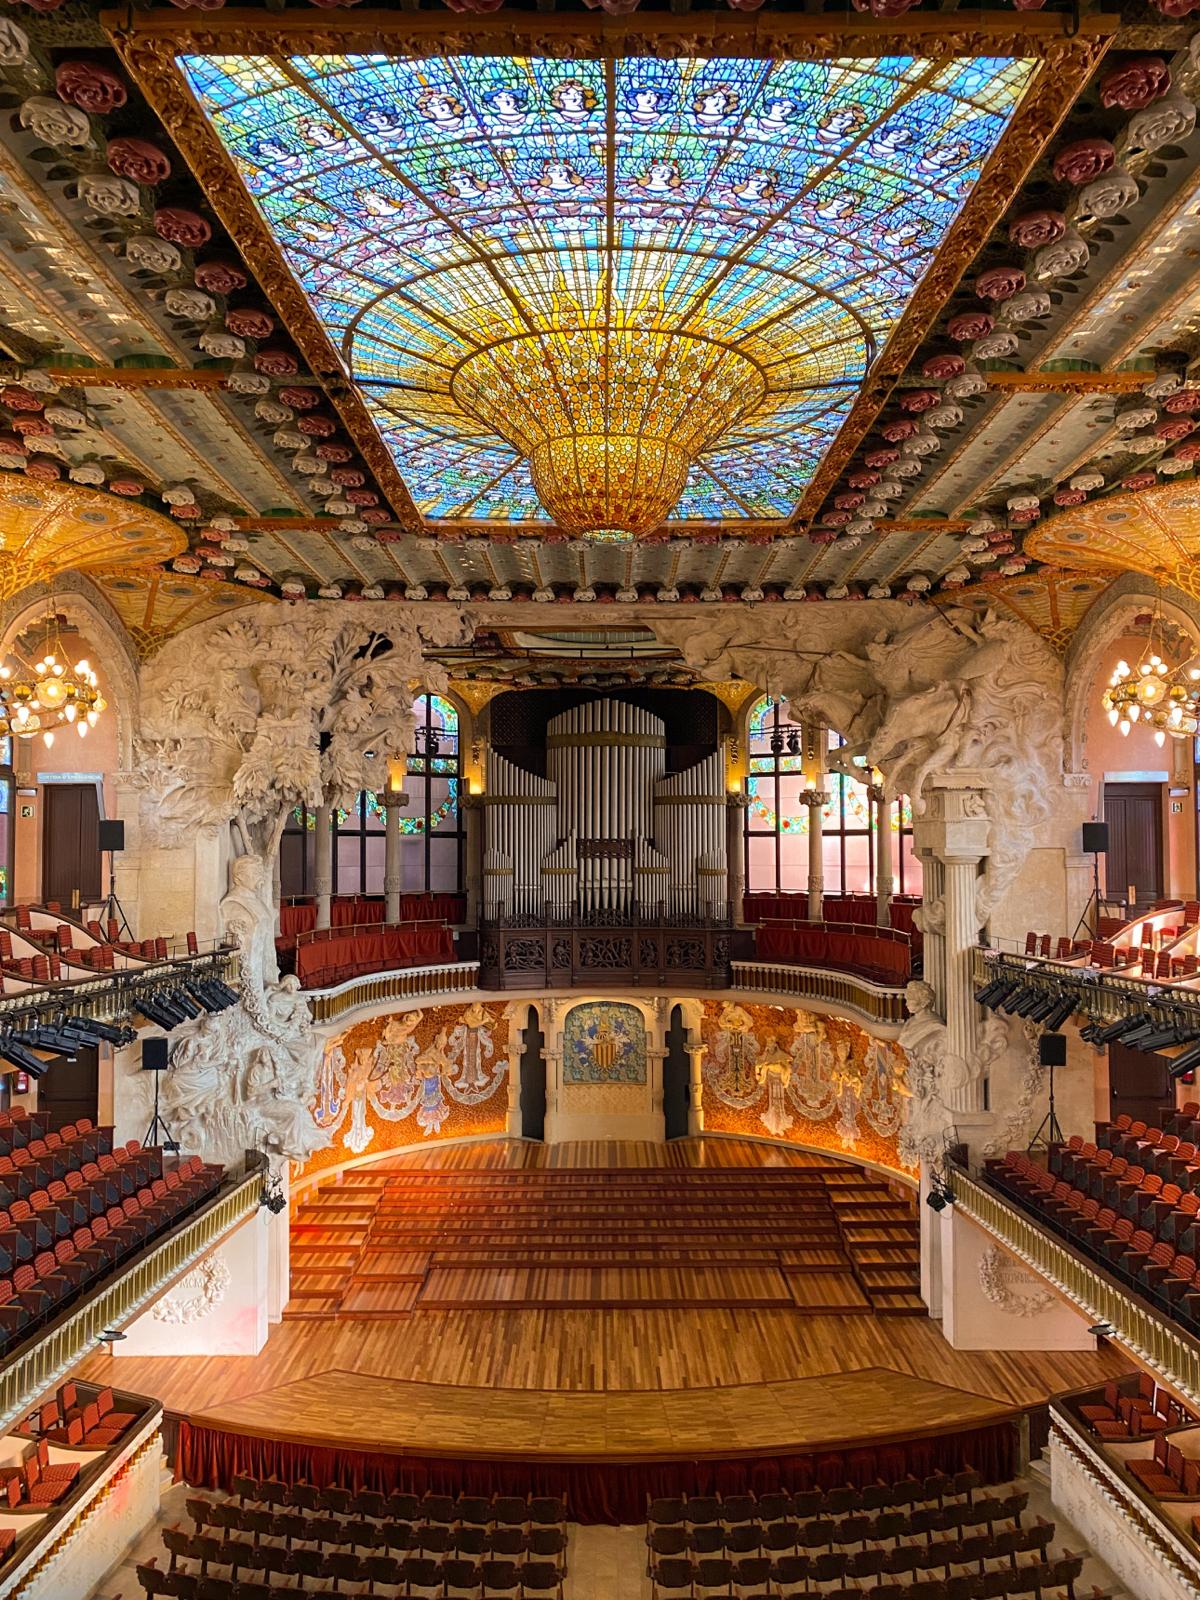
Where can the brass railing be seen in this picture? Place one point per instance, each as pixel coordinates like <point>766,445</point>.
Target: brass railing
<point>415,983</point>
<point>48,1356</point>
<point>869,999</point>
<point>1103,993</point>
<point>1159,1344</point>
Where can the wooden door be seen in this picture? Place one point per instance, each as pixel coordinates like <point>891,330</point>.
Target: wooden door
<point>677,1075</point>
<point>533,1081</point>
<point>1133,812</point>
<point>71,1089</point>
<point>1139,1085</point>
<point>70,843</point>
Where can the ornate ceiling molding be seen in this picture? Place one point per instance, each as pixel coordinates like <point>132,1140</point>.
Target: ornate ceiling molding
<point>46,529</point>
<point>1155,532</point>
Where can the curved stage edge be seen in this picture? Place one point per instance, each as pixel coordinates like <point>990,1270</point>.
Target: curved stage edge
<point>612,1490</point>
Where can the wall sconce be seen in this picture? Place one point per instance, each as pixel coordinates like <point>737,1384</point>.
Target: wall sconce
<point>397,771</point>
<point>474,786</point>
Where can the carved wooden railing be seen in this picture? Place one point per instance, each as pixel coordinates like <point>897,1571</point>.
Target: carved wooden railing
<point>415,983</point>
<point>1159,1344</point>
<point>47,1355</point>
<point>566,954</point>
<point>843,989</point>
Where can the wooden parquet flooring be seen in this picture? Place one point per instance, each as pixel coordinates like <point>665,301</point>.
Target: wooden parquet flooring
<point>619,1382</point>
<point>398,1236</point>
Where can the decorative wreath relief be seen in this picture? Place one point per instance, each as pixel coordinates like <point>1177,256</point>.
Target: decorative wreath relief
<point>203,1289</point>
<point>1008,1286</point>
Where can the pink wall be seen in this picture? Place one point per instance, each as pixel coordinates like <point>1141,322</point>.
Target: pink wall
<point>95,754</point>
<point>1107,751</point>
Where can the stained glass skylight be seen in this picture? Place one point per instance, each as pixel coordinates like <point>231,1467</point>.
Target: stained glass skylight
<point>464,226</point>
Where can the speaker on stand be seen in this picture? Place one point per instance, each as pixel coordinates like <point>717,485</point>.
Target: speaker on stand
<point>1095,843</point>
<point>156,1059</point>
<point>1052,1052</point>
<point>111,838</point>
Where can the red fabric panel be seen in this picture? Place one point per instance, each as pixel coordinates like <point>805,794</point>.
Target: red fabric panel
<point>347,911</point>
<point>595,1492</point>
<point>872,953</point>
<point>334,957</point>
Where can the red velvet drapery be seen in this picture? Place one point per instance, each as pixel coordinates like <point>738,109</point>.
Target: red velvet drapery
<point>612,1493</point>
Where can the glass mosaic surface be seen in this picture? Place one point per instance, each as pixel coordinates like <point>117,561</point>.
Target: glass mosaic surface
<point>434,208</point>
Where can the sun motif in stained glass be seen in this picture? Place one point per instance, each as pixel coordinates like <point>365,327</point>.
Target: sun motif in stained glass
<point>652,287</point>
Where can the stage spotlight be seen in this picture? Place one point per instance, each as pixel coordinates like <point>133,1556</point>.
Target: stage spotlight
<point>111,1336</point>
<point>1064,1007</point>
<point>935,1200</point>
<point>24,1060</point>
<point>1103,1330</point>
<point>1186,1061</point>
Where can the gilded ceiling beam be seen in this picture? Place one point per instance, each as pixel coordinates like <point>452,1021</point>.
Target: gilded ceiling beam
<point>139,377</point>
<point>1070,382</point>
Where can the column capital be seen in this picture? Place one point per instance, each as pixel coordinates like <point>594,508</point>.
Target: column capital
<point>392,797</point>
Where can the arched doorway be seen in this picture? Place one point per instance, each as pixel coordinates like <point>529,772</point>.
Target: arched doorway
<point>533,1080</point>
<point>677,1076</point>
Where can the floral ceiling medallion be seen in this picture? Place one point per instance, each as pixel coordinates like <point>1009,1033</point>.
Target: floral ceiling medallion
<point>608,294</point>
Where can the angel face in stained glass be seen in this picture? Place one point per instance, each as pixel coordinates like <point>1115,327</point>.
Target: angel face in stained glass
<point>574,101</point>
<point>384,122</point>
<point>756,188</point>
<point>325,136</point>
<point>839,125</point>
<point>464,184</point>
<point>715,104</point>
<point>506,108</point>
<point>944,158</point>
<point>647,104</point>
<point>662,178</point>
<point>441,109</point>
<point>558,179</point>
<point>888,143</point>
<point>777,117</point>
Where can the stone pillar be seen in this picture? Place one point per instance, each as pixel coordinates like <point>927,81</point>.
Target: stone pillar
<point>323,863</point>
<point>735,854</point>
<point>953,830</point>
<point>961,935</point>
<point>696,1053</point>
<point>279,1249</point>
<point>884,880</point>
<point>393,802</point>
<point>472,806</point>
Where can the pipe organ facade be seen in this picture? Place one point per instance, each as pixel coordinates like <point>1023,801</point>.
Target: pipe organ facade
<point>607,829</point>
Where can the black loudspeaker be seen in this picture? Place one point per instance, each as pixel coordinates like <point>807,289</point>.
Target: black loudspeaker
<point>154,1055</point>
<point>1095,838</point>
<point>1052,1049</point>
<point>112,836</point>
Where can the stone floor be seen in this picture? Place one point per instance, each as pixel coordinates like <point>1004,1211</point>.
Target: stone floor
<point>604,1563</point>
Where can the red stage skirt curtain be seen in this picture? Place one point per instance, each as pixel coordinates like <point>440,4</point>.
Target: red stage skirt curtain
<point>612,1493</point>
<point>875,955</point>
<point>326,960</point>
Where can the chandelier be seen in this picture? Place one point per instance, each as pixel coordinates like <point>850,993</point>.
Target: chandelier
<point>1156,693</point>
<point>610,420</point>
<point>42,696</point>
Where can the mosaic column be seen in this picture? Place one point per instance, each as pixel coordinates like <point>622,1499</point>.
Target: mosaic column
<point>393,801</point>
<point>472,809</point>
<point>323,863</point>
<point>961,935</point>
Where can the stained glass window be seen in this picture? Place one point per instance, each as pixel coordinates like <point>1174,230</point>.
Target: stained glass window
<point>445,215</point>
<point>777,824</point>
<point>432,840</point>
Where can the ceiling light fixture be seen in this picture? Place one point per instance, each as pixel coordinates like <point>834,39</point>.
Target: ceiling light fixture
<point>1155,692</point>
<point>50,693</point>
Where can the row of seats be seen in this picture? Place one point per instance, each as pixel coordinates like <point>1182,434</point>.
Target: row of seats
<point>75,1422</point>
<point>440,1510</point>
<point>72,1246</point>
<point>1153,1267</point>
<point>37,1482</point>
<point>759,1579</point>
<point>1132,1410</point>
<point>1171,1147</point>
<point>302,1538</point>
<point>941,1489</point>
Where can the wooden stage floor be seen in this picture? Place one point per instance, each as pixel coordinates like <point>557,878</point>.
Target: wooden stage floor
<point>602,1383</point>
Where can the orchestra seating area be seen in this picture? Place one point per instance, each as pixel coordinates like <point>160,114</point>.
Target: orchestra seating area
<point>1132,1203</point>
<point>893,1541</point>
<point>274,1538</point>
<point>73,1209</point>
<point>856,908</point>
<point>388,1239</point>
<point>358,940</point>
